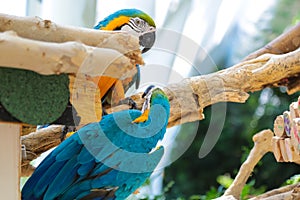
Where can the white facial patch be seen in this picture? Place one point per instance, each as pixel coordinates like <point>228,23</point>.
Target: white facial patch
<point>129,30</point>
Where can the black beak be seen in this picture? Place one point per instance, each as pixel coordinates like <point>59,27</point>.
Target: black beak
<point>147,90</point>
<point>147,40</point>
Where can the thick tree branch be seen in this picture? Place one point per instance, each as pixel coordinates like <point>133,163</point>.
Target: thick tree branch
<point>262,145</point>
<point>285,192</point>
<point>288,192</point>
<point>60,54</point>
<point>189,97</point>
<point>68,57</point>
<point>45,30</point>
<point>286,42</point>
<point>38,142</point>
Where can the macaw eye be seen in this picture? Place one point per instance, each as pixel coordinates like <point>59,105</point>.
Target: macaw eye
<point>137,21</point>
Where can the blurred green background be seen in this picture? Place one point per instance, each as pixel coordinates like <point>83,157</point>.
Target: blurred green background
<point>191,177</point>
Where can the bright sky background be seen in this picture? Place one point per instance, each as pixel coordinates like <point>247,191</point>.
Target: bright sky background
<point>13,7</point>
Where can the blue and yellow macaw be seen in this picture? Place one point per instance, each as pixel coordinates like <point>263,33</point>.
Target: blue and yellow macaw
<point>105,160</point>
<point>135,22</point>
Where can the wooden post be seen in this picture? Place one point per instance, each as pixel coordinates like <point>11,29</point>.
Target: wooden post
<point>10,161</point>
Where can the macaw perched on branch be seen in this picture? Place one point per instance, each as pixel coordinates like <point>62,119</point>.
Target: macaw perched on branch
<point>112,90</point>
<point>135,22</point>
<point>105,160</point>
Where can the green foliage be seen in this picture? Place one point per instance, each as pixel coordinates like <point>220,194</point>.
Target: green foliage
<point>212,193</point>
<point>293,180</point>
<point>225,180</point>
<point>286,13</point>
<point>248,190</point>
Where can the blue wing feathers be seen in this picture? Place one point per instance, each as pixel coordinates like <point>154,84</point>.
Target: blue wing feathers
<point>67,153</point>
<point>65,177</point>
<point>85,157</point>
<point>27,190</point>
<point>105,180</point>
<point>46,178</point>
<point>105,153</point>
<point>76,190</point>
<point>86,169</point>
<point>62,146</point>
<point>100,168</point>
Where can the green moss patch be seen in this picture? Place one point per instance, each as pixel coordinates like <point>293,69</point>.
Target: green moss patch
<point>33,98</point>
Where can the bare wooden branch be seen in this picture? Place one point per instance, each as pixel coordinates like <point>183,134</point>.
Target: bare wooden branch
<point>286,42</point>
<point>189,97</point>
<point>288,192</point>
<point>45,30</point>
<point>38,142</point>
<point>284,192</point>
<point>229,197</point>
<point>262,145</point>
<point>284,144</point>
<point>27,128</point>
<point>69,57</point>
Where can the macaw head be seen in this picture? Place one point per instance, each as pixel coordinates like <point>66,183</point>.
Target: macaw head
<point>151,94</point>
<point>133,21</point>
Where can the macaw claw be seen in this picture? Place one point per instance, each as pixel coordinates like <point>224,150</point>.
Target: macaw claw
<point>128,101</point>
<point>67,131</point>
<point>104,112</point>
